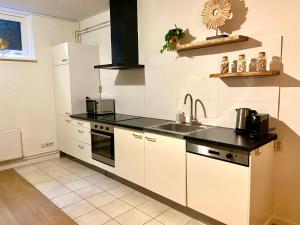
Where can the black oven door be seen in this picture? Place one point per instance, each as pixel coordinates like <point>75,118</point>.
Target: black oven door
<point>103,147</point>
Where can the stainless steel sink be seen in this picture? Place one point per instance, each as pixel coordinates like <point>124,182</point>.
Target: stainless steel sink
<point>179,128</point>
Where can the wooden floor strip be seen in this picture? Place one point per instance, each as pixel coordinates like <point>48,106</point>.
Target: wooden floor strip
<point>22,204</point>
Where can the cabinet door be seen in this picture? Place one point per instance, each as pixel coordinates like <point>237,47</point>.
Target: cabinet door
<point>165,167</point>
<point>64,134</point>
<point>60,55</point>
<point>82,151</point>
<point>129,155</point>
<point>62,90</point>
<point>218,189</point>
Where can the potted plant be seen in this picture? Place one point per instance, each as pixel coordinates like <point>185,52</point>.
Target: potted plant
<point>172,38</point>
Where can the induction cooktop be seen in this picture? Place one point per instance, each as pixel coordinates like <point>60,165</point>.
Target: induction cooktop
<point>114,117</point>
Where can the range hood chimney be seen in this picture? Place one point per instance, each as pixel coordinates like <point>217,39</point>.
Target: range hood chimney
<point>124,36</point>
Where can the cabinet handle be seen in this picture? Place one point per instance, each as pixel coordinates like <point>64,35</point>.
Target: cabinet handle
<point>80,131</point>
<point>137,136</point>
<point>68,121</point>
<point>151,139</point>
<point>80,146</point>
<point>68,114</point>
<point>64,60</point>
<point>80,124</point>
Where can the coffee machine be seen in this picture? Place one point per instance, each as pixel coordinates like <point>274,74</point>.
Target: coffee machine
<point>251,123</point>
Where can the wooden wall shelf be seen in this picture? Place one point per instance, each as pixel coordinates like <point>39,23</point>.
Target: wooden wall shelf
<point>246,74</point>
<point>213,42</point>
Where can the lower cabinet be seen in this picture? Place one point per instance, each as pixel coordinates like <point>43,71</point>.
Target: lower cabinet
<point>165,166</point>
<point>82,151</point>
<point>64,134</point>
<point>129,155</point>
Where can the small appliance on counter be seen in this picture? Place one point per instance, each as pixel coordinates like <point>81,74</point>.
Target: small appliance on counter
<point>100,106</point>
<point>251,123</point>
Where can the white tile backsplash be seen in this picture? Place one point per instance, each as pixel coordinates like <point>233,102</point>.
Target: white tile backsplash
<point>158,91</point>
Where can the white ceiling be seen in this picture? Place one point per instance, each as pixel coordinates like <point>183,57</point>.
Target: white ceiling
<point>67,9</point>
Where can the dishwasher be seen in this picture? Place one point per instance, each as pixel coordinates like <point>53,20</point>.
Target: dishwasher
<point>218,183</point>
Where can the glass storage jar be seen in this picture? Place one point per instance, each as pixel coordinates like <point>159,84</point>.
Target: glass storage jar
<point>242,64</point>
<point>225,65</point>
<point>261,63</point>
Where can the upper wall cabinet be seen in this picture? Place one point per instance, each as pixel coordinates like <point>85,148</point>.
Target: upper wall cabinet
<point>74,76</point>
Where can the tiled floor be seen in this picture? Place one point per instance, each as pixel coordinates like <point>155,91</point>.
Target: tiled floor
<point>91,198</point>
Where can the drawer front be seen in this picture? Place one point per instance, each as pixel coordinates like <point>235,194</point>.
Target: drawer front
<point>81,123</point>
<point>82,151</point>
<point>81,134</point>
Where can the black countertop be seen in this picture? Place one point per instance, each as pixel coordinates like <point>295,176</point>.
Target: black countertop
<point>226,137</point>
<point>138,123</point>
<point>217,136</point>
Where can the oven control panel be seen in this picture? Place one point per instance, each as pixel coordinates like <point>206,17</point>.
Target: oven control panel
<point>102,127</point>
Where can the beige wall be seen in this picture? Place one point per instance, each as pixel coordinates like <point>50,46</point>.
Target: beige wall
<point>27,95</point>
<point>159,90</point>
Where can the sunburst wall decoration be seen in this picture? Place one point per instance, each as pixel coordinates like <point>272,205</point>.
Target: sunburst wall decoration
<point>216,13</point>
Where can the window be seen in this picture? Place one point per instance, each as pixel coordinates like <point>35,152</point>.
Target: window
<point>16,37</point>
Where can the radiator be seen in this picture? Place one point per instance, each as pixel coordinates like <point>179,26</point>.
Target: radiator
<point>10,145</point>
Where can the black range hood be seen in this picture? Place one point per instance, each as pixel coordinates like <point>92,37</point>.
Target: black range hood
<point>124,36</point>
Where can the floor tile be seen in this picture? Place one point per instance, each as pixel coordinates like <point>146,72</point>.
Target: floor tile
<point>173,217</point>
<point>95,217</point>
<point>120,191</point>
<point>112,222</point>
<point>44,164</point>
<point>32,174</point>
<point>51,169</point>
<point>107,184</point>
<point>38,179</point>
<point>195,222</point>
<point>101,199</point>
<point>116,208</point>
<point>85,173</point>
<point>56,191</point>
<point>153,208</point>
<point>68,179</point>
<point>153,222</point>
<point>88,191</point>
<point>135,198</point>
<point>59,173</point>
<point>66,200</point>
<point>26,169</point>
<point>47,185</point>
<point>77,184</point>
<point>96,178</point>
<point>78,209</point>
<point>133,217</point>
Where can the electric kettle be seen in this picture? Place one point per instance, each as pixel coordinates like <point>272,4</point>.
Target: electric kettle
<point>242,119</point>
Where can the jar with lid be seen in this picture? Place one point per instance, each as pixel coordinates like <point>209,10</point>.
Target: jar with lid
<point>242,63</point>
<point>261,63</point>
<point>225,65</point>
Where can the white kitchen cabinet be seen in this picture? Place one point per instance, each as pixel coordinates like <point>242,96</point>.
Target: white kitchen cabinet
<point>230,193</point>
<point>62,90</point>
<point>64,134</point>
<point>81,134</point>
<point>129,155</point>
<point>76,78</point>
<point>82,151</point>
<point>165,166</point>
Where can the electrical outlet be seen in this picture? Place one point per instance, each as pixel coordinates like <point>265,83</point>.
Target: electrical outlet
<point>47,145</point>
<point>277,146</point>
<point>100,89</point>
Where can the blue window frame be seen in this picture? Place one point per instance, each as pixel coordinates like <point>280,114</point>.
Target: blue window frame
<point>11,32</point>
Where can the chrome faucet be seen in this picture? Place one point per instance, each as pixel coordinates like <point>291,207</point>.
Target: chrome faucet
<point>185,99</point>
<point>204,110</point>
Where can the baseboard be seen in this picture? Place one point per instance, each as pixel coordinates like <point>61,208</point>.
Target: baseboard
<point>29,160</point>
<point>279,221</point>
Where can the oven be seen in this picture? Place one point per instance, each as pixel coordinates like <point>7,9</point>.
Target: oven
<point>103,150</point>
